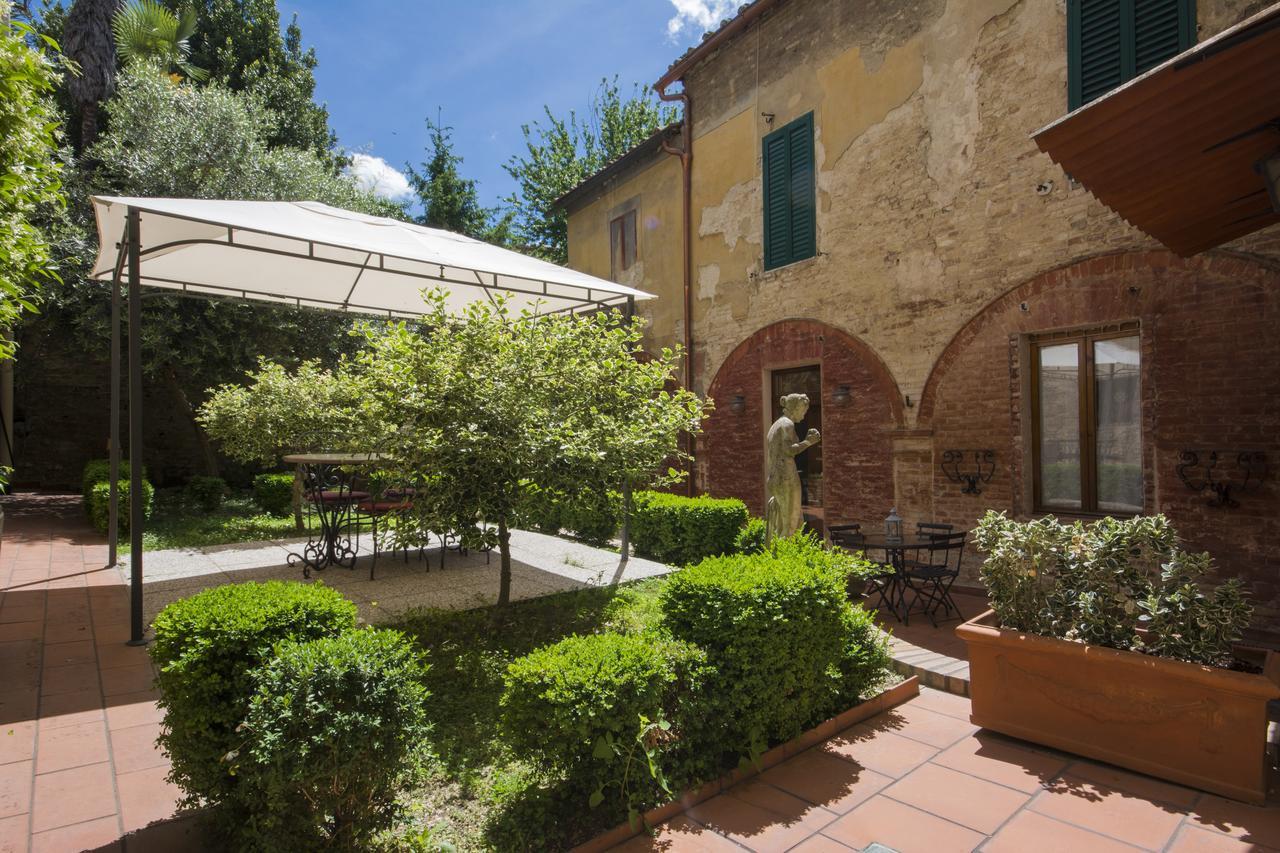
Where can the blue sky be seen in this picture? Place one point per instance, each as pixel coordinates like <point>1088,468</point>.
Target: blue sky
<point>488,65</point>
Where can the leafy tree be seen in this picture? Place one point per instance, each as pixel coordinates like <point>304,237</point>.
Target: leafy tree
<point>565,151</point>
<point>449,200</point>
<point>30,169</point>
<point>200,142</point>
<point>239,43</point>
<point>147,32</point>
<point>491,403</point>
<point>87,39</point>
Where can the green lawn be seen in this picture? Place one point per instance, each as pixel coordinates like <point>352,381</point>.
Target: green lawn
<point>176,524</point>
<point>478,796</point>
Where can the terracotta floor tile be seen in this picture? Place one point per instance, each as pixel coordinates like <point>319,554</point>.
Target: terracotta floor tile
<point>73,796</point>
<point>68,709</point>
<point>750,825</point>
<point>119,654</point>
<point>921,724</point>
<point>146,796</point>
<point>19,703</point>
<point>1109,811</point>
<point>30,612</point>
<point>900,827</point>
<point>127,679</point>
<point>1192,840</point>
<point>64,654</point>
<point>69,679</point>
<point>100,836</point>
<point>1146,787</point>
<point>820,844</point>
<point>17,741</point>
<point>21,631</point>
<point>14,834</point>
<point>789,808</point>
<point>134,748</point>
<point>133,709</point>
<point>958,797</point>
<point>1255,824</point>
<point>15,788</point>
<point>680,834</point>
<point>944,703</point>
<point>111,633</point>
<point>71,746</point>
<point>880,750</point>
<point>999,759</point>
<point>1030,831</point>
<point>66,633</point>
<point>826,780</point>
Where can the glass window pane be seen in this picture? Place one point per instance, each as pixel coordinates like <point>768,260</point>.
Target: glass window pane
<point>1119,424</point>
<point>1059,391</point>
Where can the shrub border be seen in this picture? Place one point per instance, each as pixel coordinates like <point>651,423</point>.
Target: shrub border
<point>883,701</point>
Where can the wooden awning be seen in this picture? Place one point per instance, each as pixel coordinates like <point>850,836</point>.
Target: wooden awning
<point>1173,151</point>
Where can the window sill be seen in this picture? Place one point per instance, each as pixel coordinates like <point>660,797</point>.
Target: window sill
<point>794,266</point>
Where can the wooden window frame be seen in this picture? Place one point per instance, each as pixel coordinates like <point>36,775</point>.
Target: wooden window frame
<point>618,263</point>
<point>1187,34</point>
<point>1088,426</point>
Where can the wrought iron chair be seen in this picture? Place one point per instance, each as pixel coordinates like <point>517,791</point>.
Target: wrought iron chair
<point>933,528</point>
<point>929,577</point>
<point>883,584</point>
<point>394,503</point>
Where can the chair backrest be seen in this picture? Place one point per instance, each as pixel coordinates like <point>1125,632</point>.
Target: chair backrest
<point>933,528</point>
<point>846,535</point>
<point>946,550</point>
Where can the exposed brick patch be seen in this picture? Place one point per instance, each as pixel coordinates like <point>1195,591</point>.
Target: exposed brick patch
<point>857,450</point>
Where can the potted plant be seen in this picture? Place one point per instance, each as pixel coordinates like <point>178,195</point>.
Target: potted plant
<point>1101,641</point>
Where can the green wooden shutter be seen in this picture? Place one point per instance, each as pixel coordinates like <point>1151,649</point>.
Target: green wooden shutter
<point>790,228</point>
<point>777,207</point>
<point>1112,41</point>
<point>803,191</point>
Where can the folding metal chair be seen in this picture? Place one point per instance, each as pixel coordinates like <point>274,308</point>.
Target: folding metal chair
<point>930,575</point>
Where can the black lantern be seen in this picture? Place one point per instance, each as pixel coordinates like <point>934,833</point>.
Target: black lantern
<point>893,527</point>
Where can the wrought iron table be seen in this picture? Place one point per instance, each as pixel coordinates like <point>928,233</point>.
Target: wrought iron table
<point>328,485</point>
<point>894,551</point>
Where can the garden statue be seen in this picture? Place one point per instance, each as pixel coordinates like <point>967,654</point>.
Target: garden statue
<point>782,516</point>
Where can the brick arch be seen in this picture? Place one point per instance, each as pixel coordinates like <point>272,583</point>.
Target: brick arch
<point>1148,264</point>
<point>857,463</point>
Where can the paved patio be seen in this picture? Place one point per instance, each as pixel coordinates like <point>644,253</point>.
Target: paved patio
<point>920,777</point>
<point>79,768</point>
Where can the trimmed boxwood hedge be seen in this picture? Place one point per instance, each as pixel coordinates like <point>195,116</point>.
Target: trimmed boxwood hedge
<point>274,493</point>
<point>333,734</point>
<point>784,646</point>
<point>206,648</point>
<point>680,530</point>
<point>99,471</point>
<point>99,505</point>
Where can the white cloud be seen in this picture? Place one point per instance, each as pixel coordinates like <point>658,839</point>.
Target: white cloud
<point>700,15</point>
<point>377,176</point>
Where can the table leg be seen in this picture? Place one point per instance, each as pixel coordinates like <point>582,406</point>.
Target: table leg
<point>333,547</point>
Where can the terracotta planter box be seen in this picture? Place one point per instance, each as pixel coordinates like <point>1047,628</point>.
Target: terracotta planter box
<point>1195,725</point>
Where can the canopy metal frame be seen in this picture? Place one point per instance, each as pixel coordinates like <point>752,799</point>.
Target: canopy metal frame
<point>130,254</point>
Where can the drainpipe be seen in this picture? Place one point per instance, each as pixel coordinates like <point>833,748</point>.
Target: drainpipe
<point>685,153</point>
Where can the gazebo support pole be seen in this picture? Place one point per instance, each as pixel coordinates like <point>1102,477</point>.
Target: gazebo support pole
<point>135,429</point>
<point>624,534</point>
<point>113,450</point>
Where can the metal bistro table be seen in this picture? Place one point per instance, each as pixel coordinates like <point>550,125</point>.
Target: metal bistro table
<point>895,551</point>
<point>328,485</point>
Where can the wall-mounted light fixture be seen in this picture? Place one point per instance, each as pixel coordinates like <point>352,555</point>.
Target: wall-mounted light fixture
<point>1269,168</point>
<point>738,404</point>
<point>909,403</point>
<point>841,395</point>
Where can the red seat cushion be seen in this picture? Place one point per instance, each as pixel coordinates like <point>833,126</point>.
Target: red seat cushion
<point>383,506</point>
<point>331,496</point>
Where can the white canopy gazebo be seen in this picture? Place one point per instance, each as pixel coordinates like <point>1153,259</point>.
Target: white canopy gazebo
<point>302,254</point>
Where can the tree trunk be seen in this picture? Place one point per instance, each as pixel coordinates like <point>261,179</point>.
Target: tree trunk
<point>88,125</point>
<point>297,499</point>
<point>211,467</point>
<point>504,549</point>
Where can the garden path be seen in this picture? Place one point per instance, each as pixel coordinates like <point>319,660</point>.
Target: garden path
<point>921,777</point>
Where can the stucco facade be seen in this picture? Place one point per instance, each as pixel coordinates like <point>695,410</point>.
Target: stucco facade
<point>945,239</point>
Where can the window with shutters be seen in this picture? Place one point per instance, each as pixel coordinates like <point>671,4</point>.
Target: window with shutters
<point>790,228</point>
<point>1112,41</point>
<point>622,243</point>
